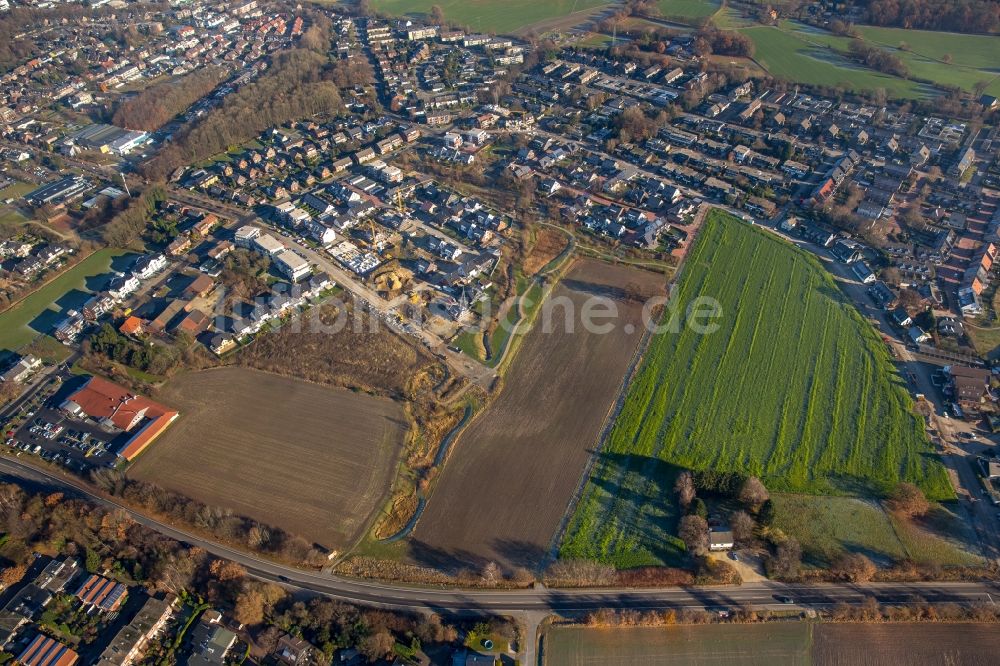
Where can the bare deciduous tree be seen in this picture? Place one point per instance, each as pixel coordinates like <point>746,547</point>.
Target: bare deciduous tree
<point>753,493</point>
<point>743,527</point>
<point>909,501</point>
<point>694,533</point>
<point>684,487</point>
<point>854,567</point>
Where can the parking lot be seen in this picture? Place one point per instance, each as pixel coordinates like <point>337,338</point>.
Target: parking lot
<point>76,444</point>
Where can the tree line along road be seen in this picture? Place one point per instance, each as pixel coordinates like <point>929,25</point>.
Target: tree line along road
<point>478,601</point>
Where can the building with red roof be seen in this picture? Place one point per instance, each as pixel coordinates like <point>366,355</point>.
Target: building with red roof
<point>115,408</point>
<point>101,593</point>
<point>132,326</point>
<point>45,651</point>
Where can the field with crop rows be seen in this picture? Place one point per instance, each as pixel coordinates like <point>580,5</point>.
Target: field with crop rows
<point>513,472</point>
<point>794,387</point>
<point>820,644</point>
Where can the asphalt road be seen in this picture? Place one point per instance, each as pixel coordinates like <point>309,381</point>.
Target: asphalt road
<point>453,600</point>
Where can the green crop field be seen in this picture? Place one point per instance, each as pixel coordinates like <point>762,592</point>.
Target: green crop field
<point>794,387</point>
<point>500,16</point>
<point>15,323</point>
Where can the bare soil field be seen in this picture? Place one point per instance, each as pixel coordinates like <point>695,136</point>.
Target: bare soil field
<point>514,470</point>
<point>723,644</point>
<point>917,644</point>
<point>312,460</point>
<point>820,644</point>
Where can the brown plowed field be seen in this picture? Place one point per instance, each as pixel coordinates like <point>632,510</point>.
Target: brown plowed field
<point>514,470</point>
<point>314,461</point>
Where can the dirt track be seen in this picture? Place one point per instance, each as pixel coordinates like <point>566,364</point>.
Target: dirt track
<point>314,461</point>
<point>514,470</point>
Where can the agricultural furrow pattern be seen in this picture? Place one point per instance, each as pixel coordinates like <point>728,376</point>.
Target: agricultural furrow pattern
<point>794,387</point>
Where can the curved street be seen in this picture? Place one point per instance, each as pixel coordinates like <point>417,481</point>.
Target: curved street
<point>474,601</point>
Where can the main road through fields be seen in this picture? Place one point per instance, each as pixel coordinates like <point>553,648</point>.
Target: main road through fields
<point>454,600</point>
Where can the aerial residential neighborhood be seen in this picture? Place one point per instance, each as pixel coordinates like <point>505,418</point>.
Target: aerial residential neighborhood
<point>415,332</point>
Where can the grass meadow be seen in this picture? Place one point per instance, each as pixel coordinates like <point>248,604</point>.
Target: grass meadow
<point>500,16</point>
<point>688,9</point>
<point>794,387</point>
<point>798,52</point>
<point>827,527</point>
<point>786,55</point>
<point>17,321</point>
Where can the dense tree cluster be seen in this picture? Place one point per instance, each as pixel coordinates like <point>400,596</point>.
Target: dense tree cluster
<point>723,42</point>
<point>296,86</point>
<point>155,106</point>
<point>332,624</point>
<point>633,124</point>
<point>111,541</point>
<point>878,59</point>
<point>352,72</point>
<point>129,223</point>
<point>152,358</point>
<point>962,16</point>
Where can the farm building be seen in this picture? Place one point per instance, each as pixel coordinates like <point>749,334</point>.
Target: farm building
<point>116,409</point>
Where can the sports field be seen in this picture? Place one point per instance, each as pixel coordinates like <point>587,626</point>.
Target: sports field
<point>500,16</point>
<point>313,460</point>
<point>20,324</point>
<point>793,387</point>
<point>821,644</point>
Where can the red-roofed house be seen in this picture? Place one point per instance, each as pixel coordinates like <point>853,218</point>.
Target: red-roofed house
<point>45,651</point>
<point>131,326</point>
<point>101,593</point>
<point>115,408</point>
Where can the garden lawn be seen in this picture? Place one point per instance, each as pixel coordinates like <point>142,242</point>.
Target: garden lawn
<point>15,329</point>
<point>794,387</point>
<point>500,16</point>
